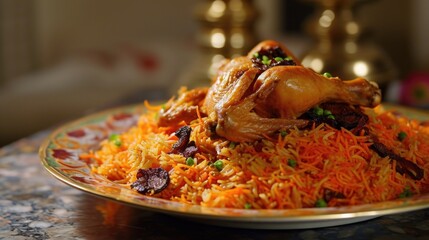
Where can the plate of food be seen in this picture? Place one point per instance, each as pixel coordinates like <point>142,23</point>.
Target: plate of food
<point>270,144</point>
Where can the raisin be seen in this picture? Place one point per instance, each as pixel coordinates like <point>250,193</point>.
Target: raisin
<point>183,146</point>
<point>190,150</point>
<point>183,133</point>
<point>152,180</point>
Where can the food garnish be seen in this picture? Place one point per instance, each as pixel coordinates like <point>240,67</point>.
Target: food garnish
<point>152,180</point>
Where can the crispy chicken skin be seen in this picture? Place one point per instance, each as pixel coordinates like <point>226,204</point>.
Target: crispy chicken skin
<point>247,103</point>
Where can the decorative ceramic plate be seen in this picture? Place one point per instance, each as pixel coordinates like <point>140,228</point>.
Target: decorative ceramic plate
<point>60,156</point>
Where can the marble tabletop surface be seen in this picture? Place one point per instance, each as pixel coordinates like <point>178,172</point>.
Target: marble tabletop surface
<point>35,205</point>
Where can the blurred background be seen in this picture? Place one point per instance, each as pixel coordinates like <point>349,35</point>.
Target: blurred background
<point>61,59</point>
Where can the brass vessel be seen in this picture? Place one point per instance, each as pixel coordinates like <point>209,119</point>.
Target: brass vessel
<point>340,49</point>
<point>226,31</point>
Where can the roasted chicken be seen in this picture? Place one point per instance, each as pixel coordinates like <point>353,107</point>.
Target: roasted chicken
<point>268,90</point>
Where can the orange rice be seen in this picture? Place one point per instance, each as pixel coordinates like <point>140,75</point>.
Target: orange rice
<point>281,172</point>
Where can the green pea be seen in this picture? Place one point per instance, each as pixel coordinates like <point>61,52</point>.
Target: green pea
<point>327,112</point>
<point>328,75</point>
<point>402,136</point>
<point>291,162</point>
<point>218,165</point>
<point>318,111</point>
<point>116,139</point>
<point>268,62</point>
<point>321,203</point>
<point>406,193</point>
<point>247,206</point>
<point>190,161</point>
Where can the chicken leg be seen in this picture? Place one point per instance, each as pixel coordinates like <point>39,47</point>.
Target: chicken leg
<point>297,89</point>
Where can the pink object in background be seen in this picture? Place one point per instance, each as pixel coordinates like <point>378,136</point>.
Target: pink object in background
<point>414,90</point>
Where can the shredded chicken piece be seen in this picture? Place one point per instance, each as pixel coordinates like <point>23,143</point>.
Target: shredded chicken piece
<point>184,108</point>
